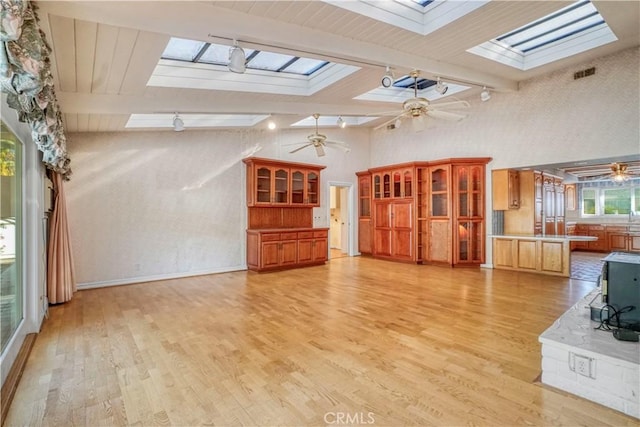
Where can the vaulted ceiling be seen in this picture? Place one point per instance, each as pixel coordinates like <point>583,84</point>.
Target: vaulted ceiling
<point>104,53</point>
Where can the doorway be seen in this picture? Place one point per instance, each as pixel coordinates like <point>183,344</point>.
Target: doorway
<point>339,220</point>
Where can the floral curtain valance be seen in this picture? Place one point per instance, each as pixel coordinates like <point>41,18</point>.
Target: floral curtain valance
<point>25,75</point>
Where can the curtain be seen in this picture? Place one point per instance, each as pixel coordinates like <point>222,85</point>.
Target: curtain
<point>61,282</point>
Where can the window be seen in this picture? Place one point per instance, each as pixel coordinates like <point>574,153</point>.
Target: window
<point>605,201</point>
<point>11,286</point>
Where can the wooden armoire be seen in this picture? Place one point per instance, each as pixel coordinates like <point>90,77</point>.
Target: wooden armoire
<point>424,212</point>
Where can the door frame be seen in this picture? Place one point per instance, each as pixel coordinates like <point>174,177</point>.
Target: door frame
<point>350,212</point>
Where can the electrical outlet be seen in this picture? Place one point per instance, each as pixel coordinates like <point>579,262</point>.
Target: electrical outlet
<point>582,365</point>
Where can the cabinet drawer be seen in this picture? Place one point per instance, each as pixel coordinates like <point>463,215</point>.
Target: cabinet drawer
<point>596,228</point>
<point>270,237</point>
<point>305,235</point>
<point>321,233</point>
<point>288,236</point>
<point>616,229</point>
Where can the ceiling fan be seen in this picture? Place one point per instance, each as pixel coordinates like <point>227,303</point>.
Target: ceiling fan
<point>619,173</point>
<point>319,141</point>
<point>418,108</point>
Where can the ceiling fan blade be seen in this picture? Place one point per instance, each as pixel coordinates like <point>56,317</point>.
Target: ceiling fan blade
<point>319,150</point>
<point>386,113</point>
<point>446,115</point>
<point>452,104</point>
<point>388,122</point>
<point>299,148</point>
<point>339,144</point>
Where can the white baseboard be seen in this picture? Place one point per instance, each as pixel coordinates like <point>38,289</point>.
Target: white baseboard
<point>142,279</point>
<point>486,265</point>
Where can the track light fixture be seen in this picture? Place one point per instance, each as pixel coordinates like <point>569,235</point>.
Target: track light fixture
<point>441,88</point>
<point>178,124</point>
<point>485,95</point>
<point>341,123</point>
<point>237,60</point>
<point>388,78</point>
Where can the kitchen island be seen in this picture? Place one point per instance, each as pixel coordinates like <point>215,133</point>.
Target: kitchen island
<point>545,254</point>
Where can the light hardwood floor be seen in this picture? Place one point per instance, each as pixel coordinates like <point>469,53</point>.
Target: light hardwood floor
<point>383,343</point>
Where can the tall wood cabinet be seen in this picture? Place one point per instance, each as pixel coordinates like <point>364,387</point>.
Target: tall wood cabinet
<point>280,201</point>
<point>364,212</point>
<point>542,205</point>
<point>426,212</point>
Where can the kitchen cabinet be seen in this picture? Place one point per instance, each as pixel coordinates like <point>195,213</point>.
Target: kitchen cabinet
<point>570,197</point>
<point>426,212</point>
<point>622,238</point>
<point>275,183</point>
<point>364,212</point>
<point>541,208</point>
<point>280,249</point>
<point>506,189</point>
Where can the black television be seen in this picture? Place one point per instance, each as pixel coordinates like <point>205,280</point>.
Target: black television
<point>621,289</point>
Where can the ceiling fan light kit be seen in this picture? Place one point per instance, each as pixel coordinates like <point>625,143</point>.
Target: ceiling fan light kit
<point>341,123</point>
<point>237,60</point>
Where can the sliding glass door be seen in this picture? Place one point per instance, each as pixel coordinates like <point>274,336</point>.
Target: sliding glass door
<point>11,283</point>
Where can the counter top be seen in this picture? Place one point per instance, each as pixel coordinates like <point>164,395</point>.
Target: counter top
<point>548,237</point>
<point>575,329</point>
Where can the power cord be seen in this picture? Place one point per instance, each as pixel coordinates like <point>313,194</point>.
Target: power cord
<point>613,314</point>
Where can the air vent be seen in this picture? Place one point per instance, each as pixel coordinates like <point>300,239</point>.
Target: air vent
<point>584,73</point>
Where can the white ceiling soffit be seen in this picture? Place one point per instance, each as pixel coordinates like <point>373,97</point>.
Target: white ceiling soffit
<point>194,120</point>
<point>331,121</point>
<point>394,94</point>
<point>181,74</point>
<point>574,29</point>
<point>409,15</point>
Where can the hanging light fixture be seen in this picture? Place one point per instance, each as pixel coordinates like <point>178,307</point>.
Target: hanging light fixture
<point>178,124</point>
<point>341,123</point>
<point>485,95</point>
<point>237,60</point>
<point>619,173</point>
<point>271,125</point>
<point>441,88</point>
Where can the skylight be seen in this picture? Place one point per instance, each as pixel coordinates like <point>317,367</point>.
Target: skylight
<point>403,89</point>
<point>331,121</point>
<point>571,30</point>
<point>211,53</point>
<point>420,16</point>
<point>193,64</point>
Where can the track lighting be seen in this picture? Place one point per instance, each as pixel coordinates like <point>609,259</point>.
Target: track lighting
<point>237,60</point>
<point>441,88</point>
<point>387,79</point>
<point>341,123</point>
<point>485,95</point>
<point>178,124</point>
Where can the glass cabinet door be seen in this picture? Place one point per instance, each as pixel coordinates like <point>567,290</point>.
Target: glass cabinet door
<point>263,185</point>
<point>463,192</point>
<point>376,187</point>
<point>297,187</point>
<point>476,207</point>
<point>439,192</point>
<point>386,183</point>
<point>408,180</point>
<point>281,189</point>
<point>397,184</point>
<point>312,188</point>
<point>364,192</point>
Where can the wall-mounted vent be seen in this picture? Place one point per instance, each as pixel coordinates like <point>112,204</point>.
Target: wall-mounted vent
<point>584,73</point>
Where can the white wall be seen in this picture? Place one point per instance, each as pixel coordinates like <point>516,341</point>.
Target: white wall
<point>153,205</point>
<point>550,119</point>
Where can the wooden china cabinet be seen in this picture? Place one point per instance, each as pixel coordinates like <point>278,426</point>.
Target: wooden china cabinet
<point>280,201</point>
<point>425,212</point>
